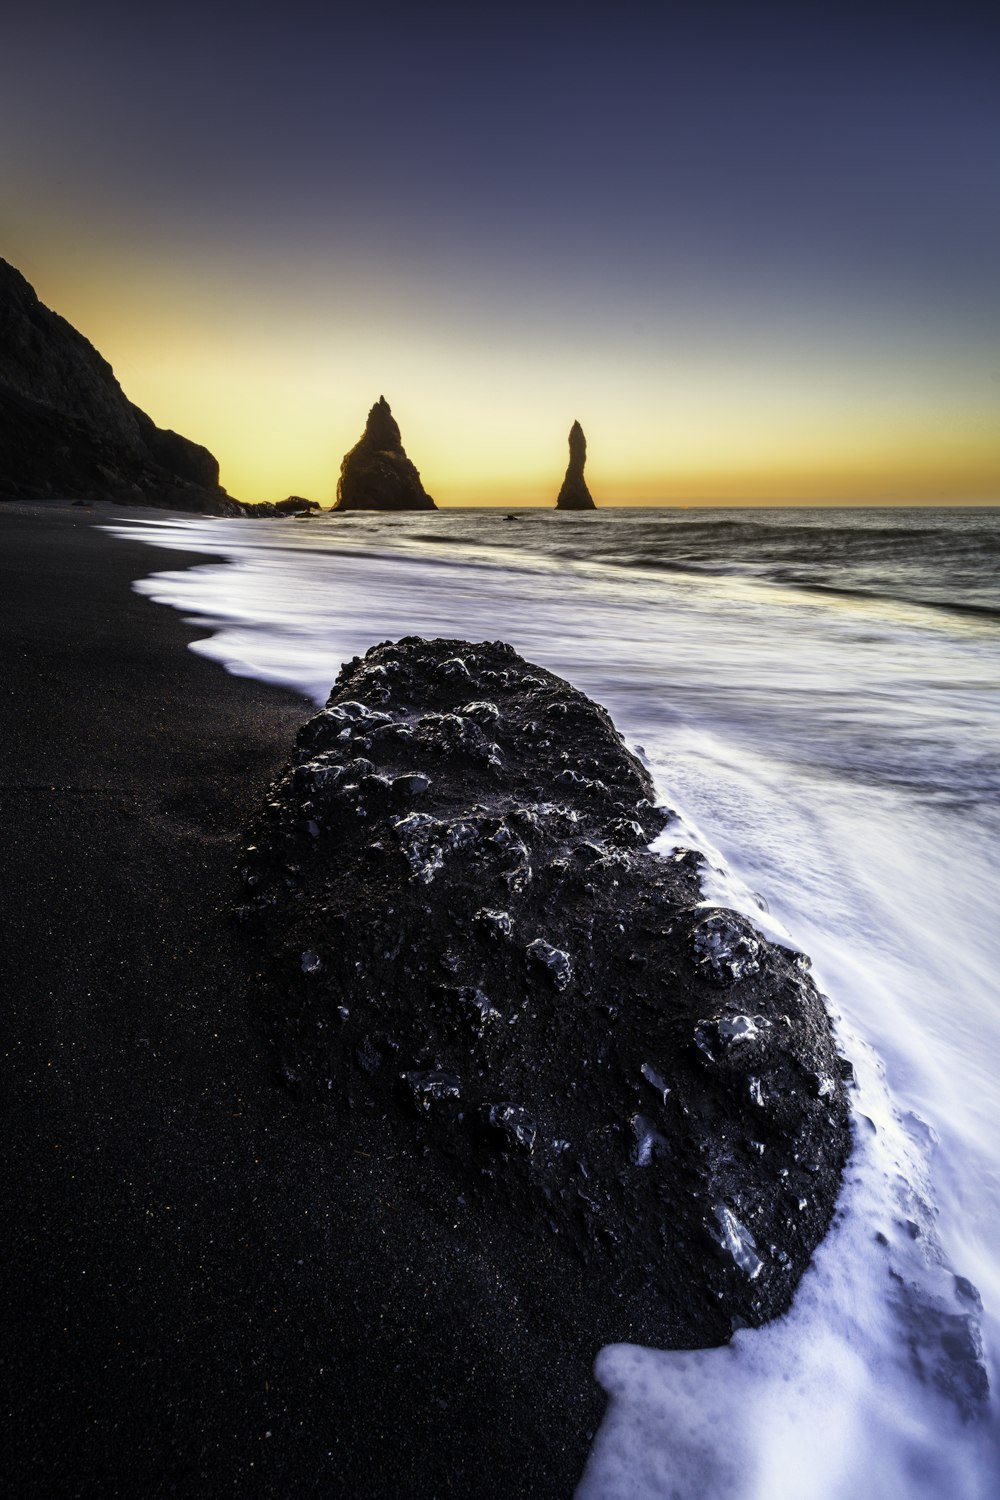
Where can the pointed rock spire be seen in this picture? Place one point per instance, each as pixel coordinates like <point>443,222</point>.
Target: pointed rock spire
<point>574,494</point>
<point>376,474</point>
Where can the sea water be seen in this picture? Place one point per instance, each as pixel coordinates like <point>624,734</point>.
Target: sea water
<point>817,693</point>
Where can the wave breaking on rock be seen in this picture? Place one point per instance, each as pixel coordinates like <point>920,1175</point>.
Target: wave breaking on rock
<point>477,972</point>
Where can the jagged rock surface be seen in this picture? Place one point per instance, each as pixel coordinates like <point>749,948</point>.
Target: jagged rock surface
<point>477,973</point>
<point>67,428</point>
<point>376,474</point>
<point>574,494</point>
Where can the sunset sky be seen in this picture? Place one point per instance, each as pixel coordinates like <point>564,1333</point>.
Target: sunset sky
<point>754,249</point>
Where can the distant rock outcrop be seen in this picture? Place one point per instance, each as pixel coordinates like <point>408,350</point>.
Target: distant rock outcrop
<point>574,494</point>
<point>295,505</point>
<point>376,474</point>
<point>68,429</point>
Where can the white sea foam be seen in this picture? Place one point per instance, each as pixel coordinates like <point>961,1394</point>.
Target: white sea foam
<point>836,760</point>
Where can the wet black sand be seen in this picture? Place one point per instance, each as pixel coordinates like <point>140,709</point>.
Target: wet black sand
<point>196,1297</point>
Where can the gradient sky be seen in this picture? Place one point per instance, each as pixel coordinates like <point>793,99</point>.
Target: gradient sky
<point>754,249</point>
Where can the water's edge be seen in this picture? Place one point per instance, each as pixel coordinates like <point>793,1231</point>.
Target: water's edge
<point>831,792</point>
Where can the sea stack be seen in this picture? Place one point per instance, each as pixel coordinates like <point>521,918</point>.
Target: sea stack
<point>574,494</point>
<point>376,474</point>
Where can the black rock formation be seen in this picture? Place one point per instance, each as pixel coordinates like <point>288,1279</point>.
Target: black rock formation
<point>477,973</point>
<point>376,474</point>
<point>294,505</point>
<point>574,494</point>
<point>67,428</point>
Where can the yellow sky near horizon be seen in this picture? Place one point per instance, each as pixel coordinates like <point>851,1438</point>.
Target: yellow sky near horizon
<point>276,379</point>
<point>754,255</point>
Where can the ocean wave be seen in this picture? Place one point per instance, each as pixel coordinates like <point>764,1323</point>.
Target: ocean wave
<point>950,606</point>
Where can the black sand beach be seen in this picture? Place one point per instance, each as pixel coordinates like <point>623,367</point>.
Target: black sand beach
<point>199,1299</point>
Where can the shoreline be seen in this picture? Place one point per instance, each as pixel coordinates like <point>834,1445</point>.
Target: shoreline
<point>199,1298</point>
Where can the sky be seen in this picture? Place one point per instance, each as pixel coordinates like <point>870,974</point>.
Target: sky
<point>754,249</point>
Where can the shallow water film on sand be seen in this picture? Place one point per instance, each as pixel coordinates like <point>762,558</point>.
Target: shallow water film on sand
<point>816,694</point>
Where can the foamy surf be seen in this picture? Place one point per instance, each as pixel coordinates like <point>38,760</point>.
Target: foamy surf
<point>874,1383</point>
<point>831,755</point>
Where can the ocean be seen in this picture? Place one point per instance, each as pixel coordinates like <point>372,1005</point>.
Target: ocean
<point>817,693</point>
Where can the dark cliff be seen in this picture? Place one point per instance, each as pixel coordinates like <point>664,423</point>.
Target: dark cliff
<point>68,429</point>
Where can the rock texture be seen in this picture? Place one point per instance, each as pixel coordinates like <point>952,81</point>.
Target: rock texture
<point>477,976</point>
<point>574,494</point>
<point>376,474</point>
<point>67,428</point>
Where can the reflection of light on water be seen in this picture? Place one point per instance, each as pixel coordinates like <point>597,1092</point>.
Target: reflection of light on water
<point>841,752</point>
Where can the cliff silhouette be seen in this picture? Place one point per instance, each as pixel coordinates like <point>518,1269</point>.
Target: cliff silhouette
<point>68,429</point>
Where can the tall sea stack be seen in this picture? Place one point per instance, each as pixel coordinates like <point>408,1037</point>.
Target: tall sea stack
<point>574,494</point>
<point>376,474</point>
